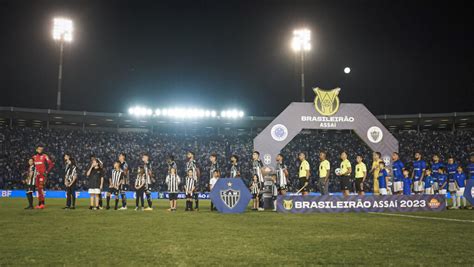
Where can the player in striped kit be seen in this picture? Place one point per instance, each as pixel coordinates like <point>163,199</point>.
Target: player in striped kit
<point>281,175</point>
<point>173,180</point>
<point>126,180</point>
<point>191,165</point>
<point>116,180</point>
<point>140,182</point>
<point>148,180</point>
<point>30,182</point>
<point>70,178</point>
<point>189,189</point>
<point>257,170</point>
<point>255,191</point>
<point>234,168</point>
<point>214,165</point>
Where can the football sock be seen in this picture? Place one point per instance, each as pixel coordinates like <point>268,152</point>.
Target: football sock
<point>124,200</point>
<point>454,201</point>
<point>116,202</point>
<point>108,201</point>
<point>30,199</point>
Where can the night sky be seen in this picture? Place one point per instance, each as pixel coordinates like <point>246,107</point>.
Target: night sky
<point>405,56</point>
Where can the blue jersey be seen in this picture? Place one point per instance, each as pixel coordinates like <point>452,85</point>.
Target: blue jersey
<point>382,178</point>
<point>451,168</point>
<point>397,167</point>
<point>460,179</point>
<point>407,185</point>
<point>470,170</point>
<point>429,181</point>
<point>418,167</point>
<point>435,168</point>
<point>442,178</point>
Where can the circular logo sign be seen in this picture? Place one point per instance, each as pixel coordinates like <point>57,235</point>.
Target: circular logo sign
<point>279,132</point>
<point>386,160</point>
<point>267,159</point>
<point>374,134</point>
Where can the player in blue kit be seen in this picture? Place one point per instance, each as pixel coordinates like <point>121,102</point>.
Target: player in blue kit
<point>419,167</point>
<point>435,165</point>
<point>460,180</point>
<point>397,168</point>
<point>470,167</point>
<point>442,182</point>
<point>407,182</point>
<point>428,182</point>
<point>383,179</point>
<point>451,166</point>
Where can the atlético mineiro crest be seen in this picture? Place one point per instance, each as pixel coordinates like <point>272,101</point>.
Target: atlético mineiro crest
<point>230,197</point>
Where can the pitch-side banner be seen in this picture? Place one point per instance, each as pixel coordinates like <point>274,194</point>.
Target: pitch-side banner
<point>327,204</point>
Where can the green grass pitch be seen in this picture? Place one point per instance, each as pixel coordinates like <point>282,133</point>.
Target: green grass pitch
<point>82,237</point>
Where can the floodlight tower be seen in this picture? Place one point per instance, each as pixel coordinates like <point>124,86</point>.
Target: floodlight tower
<point>301,43</point>
<point>62,33</point>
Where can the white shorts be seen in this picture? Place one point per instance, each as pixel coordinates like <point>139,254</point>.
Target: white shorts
<point>429,191</point>
<point>435,186</point>
<point>460,192</point>
<point>418,186</point>
<point>442,192</point>
<point>383,191</point>
<point>452,187</point>
<point>398,186</point>
<point>94,191</point>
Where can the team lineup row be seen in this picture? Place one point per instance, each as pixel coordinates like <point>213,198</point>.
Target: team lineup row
<point>433,178</point>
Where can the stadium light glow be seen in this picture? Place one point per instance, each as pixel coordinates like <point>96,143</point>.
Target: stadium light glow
<point>185,113</point>
<point>301,40</point>
<point>62,29</point>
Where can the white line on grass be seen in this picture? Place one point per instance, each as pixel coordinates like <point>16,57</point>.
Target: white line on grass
<point>422,217</point>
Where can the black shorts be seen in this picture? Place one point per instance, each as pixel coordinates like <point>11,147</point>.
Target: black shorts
<point>359,185</point>
<point>189,195</point>
<point>30,188</point>
<point>113,191</point>
<point>173,196</point>
<point>302,182</point>
<point>254,196</point>
<point>346,183</point>
<point>280,188</point>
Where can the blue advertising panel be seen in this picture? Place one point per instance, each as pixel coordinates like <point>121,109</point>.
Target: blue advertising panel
<point>230,195</point>
<point>354,203</point>
<point>469,191</point>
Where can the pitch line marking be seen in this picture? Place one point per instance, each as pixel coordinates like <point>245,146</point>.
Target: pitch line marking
<point>422,217</point>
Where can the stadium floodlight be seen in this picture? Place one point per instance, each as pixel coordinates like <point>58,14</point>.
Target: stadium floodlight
<point>140,111</point>
<point>301,43</point>
<point>185,113</point>
<point>62,32</point>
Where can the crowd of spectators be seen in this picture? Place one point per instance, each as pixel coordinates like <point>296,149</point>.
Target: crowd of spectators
<point>18,145</point>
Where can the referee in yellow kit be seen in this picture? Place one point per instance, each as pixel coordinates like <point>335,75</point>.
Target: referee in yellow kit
<point>360,175</point>
<point>345,174</point>
<point>303,174</point>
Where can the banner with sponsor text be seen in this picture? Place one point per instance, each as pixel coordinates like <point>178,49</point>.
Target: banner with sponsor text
<point>354,203</point>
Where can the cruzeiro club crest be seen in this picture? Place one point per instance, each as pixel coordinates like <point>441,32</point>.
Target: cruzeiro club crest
<point>230,197</point>
<point>288,204</point>
<point>326,102</point>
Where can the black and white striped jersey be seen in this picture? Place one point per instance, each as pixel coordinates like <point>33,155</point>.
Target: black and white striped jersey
<point>257,169</point>
<point>140,181</point>
<point>31,178</point>
<point>282,180</point>
<point>148,173</point>
<point>234,171</point>
<point>70,173</point>
<point>190,184</point>
<point>173,181</point>
<point>191,165</point>
<point>116,178</point>
<point>254,187</point>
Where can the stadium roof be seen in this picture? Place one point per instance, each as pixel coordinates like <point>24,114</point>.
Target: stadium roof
<point>21,117</point>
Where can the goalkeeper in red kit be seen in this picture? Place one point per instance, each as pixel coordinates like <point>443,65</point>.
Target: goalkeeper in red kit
<point>43,166</point>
